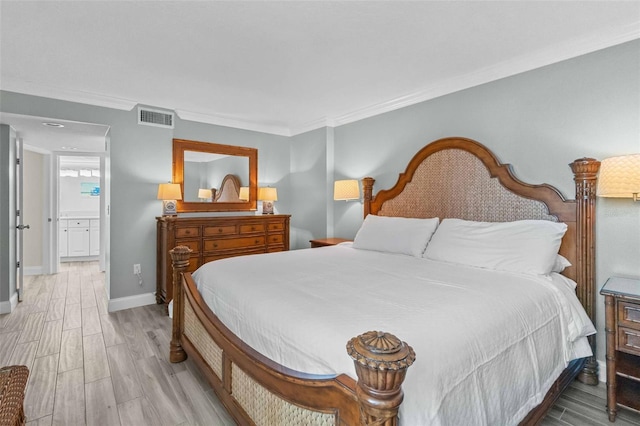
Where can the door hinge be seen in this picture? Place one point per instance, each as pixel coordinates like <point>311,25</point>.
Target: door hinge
<point>17,161</point>
<point>17,212</point>
<point>17,264</point>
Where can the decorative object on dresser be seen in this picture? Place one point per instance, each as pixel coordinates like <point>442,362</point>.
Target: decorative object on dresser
<point>169,193</point>
<point>267,195</point>
<point>346,190</point>
<point>475,187</point>
<point>326,242</point>
<point>620,177</point>
<point>212,238</point>
<point>622,325</point>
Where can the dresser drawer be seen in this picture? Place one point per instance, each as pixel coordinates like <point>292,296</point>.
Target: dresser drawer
<point>232,243</point>
<point>220,230</point>
<point>275,226</point>
<point>629,340</point>
<point>194,245</point>
<point>251,228</point>
<point>629,314</point>
<point>212,257</point>
<point>188,232</point>
<point>275,239</point>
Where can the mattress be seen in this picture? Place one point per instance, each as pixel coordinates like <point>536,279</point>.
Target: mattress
<point>488,344</point>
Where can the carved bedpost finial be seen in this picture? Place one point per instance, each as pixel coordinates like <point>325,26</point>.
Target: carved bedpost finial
<point>381,361</point>
<point>585,171</point>
<point>367,189</point>
<point>180,262</point>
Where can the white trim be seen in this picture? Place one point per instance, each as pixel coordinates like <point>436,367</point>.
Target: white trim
<point>131,302</point>
<point>553,54</point>
<point>218,120</point>
<point>8,306</point>
<point>47,91</point>
<point>602,371</point>
<point>33,270</point>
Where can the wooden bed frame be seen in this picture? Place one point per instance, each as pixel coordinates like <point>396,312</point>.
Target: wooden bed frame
<point>452,177</point>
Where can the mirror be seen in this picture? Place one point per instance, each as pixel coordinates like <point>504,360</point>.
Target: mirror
<point>211,175</point>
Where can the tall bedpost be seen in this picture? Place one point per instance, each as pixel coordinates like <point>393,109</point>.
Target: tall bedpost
<point>180,262</point>
<point>381,361</point>
<point>367,190</point>
<point>585,171</point>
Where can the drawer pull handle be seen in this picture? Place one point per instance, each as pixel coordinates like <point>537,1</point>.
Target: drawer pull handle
<point>219,229</point>
<point>257,241</point>
<point>187,232</point>
<point>215,246</point>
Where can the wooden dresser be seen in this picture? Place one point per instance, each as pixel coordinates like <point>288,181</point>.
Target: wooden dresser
<point>213,238</point>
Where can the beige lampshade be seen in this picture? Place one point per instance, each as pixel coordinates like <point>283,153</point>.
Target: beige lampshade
<point>204,193</point>
<point>346,190</point>
<point>620,177</point>
<point>244,193</point>
<point>169,191</point>
<point>267,193</point>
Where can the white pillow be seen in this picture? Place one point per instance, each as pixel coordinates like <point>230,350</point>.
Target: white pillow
<point>560,264</point>
<point>395,234</point>
<point>525,246</point>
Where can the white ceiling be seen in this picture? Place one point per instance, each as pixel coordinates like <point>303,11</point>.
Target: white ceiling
<point>287,67</point>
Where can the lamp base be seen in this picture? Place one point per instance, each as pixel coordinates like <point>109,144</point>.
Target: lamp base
<point>169,208</point>
<point>267,207</point>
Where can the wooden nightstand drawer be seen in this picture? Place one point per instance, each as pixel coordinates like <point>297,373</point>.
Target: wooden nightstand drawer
<point>220,230</point>
<point>250,229</point>
<point>213,245</point>
<point>629,341</point>
<point>629,314</point>
<point>188,232</point>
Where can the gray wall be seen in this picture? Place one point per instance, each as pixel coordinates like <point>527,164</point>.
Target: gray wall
<point>7,216</point>
<point>539,121</point>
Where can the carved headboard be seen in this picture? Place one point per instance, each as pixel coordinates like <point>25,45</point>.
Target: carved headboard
<point>461,178</point>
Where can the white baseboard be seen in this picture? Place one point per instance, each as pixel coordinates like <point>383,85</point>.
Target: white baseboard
<point>131,302</point>
<point>9,305</point>
<point>33,270</point>
<point>602,371</point>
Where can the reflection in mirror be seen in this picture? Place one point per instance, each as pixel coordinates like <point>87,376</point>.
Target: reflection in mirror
<point>222,175</point>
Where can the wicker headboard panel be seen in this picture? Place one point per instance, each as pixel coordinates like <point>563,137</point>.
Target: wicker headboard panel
<point>461,178</point>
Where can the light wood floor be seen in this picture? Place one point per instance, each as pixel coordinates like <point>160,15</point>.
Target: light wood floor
<point>88,366</point>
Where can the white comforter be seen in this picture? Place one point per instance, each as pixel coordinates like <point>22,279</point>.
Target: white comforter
<point>488,344</point>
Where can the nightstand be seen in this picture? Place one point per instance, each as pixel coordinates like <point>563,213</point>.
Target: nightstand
<point>324,242</point>
<point>622,325</point>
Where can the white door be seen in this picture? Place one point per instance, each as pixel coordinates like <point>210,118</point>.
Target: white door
<point>20,226</point>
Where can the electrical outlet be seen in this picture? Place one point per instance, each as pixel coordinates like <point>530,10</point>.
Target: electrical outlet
<point>136,269</point>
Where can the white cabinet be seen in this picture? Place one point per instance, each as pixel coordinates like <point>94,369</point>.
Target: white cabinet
<point>63,238</point>
<point>94,237</point>
<point>79,237</point>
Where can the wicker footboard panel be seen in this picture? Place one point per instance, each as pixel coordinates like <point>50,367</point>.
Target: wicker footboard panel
<point>245,398</point>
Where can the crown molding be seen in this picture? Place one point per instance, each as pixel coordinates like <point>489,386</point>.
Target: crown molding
<point>233,122</point>
<point>557,53</point>
<point>63,94</point>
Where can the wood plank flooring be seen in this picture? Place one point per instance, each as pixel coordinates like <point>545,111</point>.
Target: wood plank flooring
<point>88,366</point>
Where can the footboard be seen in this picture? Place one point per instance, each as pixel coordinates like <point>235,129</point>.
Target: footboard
<point>256,390</point>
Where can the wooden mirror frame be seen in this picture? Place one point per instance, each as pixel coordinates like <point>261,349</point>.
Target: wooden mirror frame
<point>181,145</point>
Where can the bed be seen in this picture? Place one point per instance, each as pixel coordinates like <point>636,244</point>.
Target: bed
<point>452,178</point>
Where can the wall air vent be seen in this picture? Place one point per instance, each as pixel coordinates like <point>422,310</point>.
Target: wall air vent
<point>153,117</point>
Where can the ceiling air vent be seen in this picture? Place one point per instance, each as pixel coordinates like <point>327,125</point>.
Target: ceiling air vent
<point>152,117</point>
